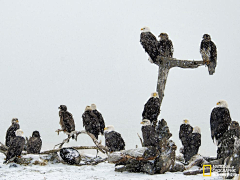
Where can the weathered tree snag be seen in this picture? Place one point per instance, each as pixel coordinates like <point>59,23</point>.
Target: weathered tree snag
<point>165,64</point>
<point>156,159</point>
<point>3,148</point>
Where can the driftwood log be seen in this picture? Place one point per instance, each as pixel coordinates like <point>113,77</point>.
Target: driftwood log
<point>26,161</point>
<point>156,159</point>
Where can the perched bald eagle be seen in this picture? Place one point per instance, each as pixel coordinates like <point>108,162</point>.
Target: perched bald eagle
<point>149,43</point>
<point>16,146</point>
<point>226,148</point>
<point>193,144</point>
<point>165,45</point>
<point>10,134</point>
<point>208,51</point>
<point>91,122</point>
<point>185,132</point>
<point>100,118</point>
<point>70,155</point>
<point>220,120</point>
<point>113,139</point>
<point>150,137</point>
<point>152,108</point>
<point>66,120</point>
<point>34,144</point>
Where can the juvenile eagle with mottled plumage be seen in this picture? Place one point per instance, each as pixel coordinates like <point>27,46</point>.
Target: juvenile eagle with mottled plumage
<point>34,144</point>
<point>10,134</point>
<point>66,120</point>
<point>165,45</point>
<point>208,51</point>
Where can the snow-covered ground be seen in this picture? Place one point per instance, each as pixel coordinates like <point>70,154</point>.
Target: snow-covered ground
<point>101,171</point>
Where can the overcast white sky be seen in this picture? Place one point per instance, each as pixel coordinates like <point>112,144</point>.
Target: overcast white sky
<point>82,52</point>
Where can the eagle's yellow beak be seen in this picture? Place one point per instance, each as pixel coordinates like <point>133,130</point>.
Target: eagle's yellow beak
<point>142,122</point>
<point>218,103</point>
<point>105,128</point>
<point>17,121</point>
<point>141,29</point>
<point>185,121</point>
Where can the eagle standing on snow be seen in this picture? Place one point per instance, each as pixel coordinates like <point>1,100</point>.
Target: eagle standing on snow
<point>66,120</point>
<point>91,122</point>
<point>10,134</point>
<point>113,139</point>
<point>100,118</point>
<point>16,146</point>
<point>149,134</point>
<point>152,108</point>
<point>165,45</point>
<point>34,144</point>
<point>208,51</point>
<point>219,121</point>
<point>149,43</point>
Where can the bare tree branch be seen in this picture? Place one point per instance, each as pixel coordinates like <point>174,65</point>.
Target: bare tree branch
<point>99,146</point>
<point>165,64</point>
<point>75,147</point>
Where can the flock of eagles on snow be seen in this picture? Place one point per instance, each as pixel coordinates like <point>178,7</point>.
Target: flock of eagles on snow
<point>223,129</point>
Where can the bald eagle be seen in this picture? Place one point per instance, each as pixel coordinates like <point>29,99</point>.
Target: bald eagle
<point>16,146</point>
<point>152,108</point>
<point>193,144</point>
<point>113,139</point>
<point>150,137</point>
<point>226,148</point>
<point>185,132</point>
<point>100,118</point>
<point>91,122</point>
<point>220,120</point>
<point>208,51</point>
<point>165,45</point>
<point>149,43</point>
<point>70,155</point>
<point>34,144</point>
<point>10,134</point>
<point>66,120</point>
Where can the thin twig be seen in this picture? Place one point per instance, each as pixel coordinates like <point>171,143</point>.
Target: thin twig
<point>140,139</point>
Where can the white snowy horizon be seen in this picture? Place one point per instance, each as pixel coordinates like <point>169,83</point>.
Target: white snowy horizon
<point>82,52</point>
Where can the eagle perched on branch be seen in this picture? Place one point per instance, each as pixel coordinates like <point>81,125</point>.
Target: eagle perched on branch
<point>149,43</point>
<point>165,45</point>
<point>208,51</point>
<point>66,120</point>
<point>10,134</point>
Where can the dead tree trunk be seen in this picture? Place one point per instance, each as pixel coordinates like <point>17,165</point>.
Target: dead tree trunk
<point>165,64</point>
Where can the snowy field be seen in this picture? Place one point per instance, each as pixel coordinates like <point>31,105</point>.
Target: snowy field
<point>101,171</point>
